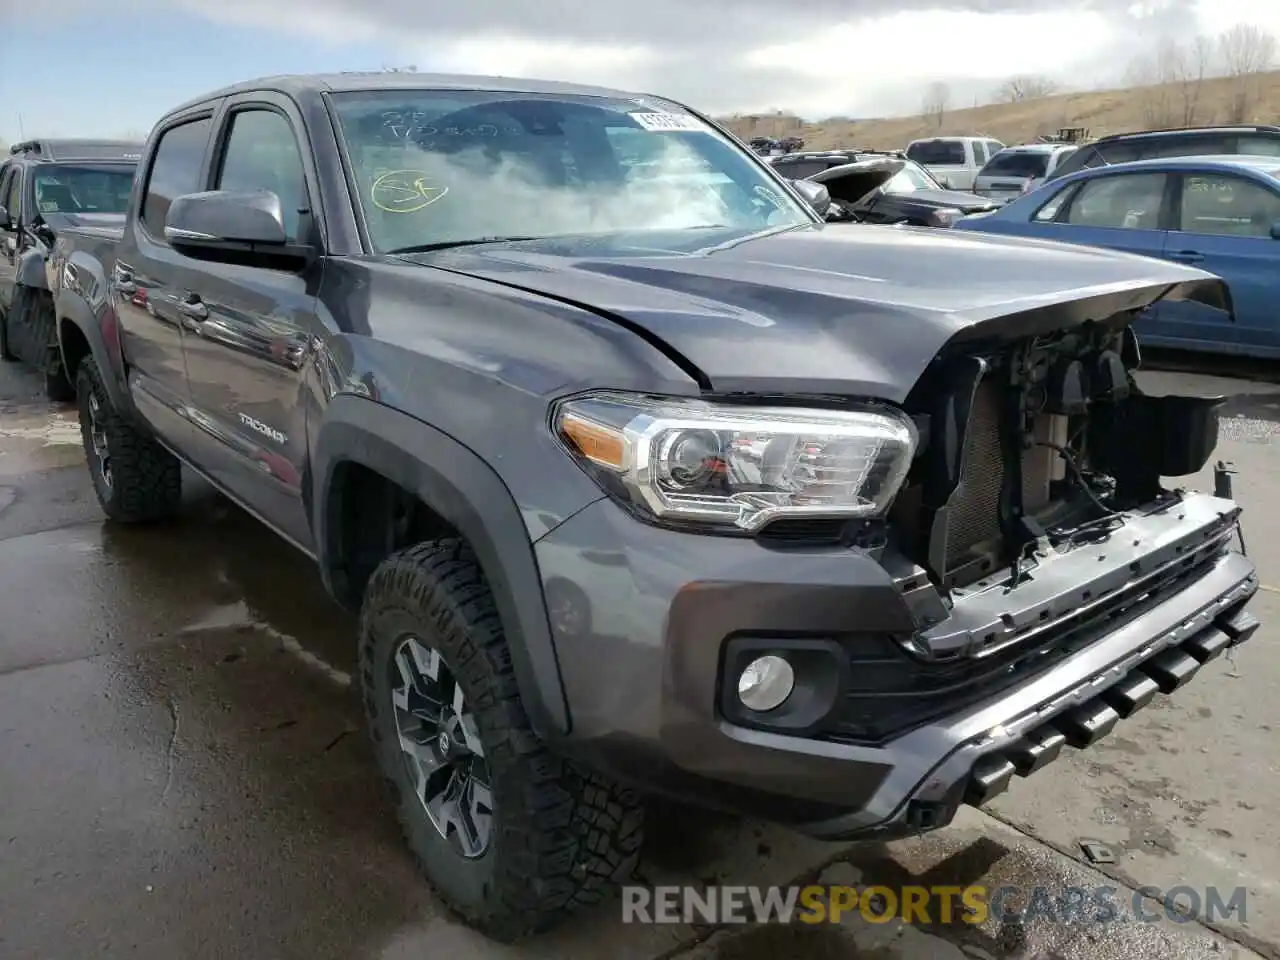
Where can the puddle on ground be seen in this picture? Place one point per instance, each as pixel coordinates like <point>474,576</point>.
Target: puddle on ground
<point>30,443</point>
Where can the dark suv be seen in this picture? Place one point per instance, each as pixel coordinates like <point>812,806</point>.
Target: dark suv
<point>46,186</point>
<point>1185,142</point>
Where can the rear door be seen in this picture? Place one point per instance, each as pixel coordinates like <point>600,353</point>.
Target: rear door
<point>149,274</point>
<point>251,328</point>
<point>1223,225</point>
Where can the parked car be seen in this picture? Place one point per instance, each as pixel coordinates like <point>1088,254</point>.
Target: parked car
<point>1253,140</point>
<point>892,189</point>
<point>45,187</point>
<point>648,484</point>
<point>954,161</point>
<point>1018,170</point>
<point>1220,213</point>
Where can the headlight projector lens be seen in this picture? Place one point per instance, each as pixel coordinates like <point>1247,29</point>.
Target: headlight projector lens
<point>766,683</point>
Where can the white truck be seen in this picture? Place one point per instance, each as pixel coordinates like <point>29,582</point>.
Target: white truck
<point>954,161</point>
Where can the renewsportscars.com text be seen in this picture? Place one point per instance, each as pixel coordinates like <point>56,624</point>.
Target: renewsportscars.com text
<point>929,905</point>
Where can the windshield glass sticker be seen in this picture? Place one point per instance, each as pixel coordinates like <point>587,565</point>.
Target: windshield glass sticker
<point>405,191</point>
<point>668,122</point>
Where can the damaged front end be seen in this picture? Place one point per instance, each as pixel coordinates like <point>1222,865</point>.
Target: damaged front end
<point>1034,519</point>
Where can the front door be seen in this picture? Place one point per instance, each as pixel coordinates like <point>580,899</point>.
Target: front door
<point>251,329</point>
<point>1224,226</point>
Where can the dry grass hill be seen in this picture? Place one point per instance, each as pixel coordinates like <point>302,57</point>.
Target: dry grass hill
<point>1101,111</point>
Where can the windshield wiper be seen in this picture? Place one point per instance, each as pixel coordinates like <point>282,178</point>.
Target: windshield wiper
<point>447,244</point>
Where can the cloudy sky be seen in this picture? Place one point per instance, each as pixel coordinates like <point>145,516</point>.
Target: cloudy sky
<point>109,67</point>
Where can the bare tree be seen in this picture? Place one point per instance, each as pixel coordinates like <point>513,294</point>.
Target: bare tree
<point>1247,52</point>
<point>1149,76</point>
<point>1025,86</point>
<point>1190,64</point>
<point>937,97</point>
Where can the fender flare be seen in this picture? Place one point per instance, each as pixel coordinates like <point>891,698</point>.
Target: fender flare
<point>31,270</point>
<point>72,309</point>
<point>453,481</point>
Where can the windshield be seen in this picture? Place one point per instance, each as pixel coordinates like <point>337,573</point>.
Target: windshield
<point>440,167</point>
<point>83,188</point>
<point>910,179</point>
<point>934,153</point>
<point>1017,163</point>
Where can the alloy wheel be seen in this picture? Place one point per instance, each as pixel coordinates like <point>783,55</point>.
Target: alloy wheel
<point>440,746</point>
<point>98,438</point>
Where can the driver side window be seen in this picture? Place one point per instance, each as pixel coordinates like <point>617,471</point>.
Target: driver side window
<point>261,153</point>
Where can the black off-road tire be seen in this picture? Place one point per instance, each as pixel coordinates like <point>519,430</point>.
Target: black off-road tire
<point>561,836</point>
<point>146,479</point>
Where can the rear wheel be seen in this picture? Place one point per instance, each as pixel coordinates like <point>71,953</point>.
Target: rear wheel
<point>134,477</point>
<point>512,836</point>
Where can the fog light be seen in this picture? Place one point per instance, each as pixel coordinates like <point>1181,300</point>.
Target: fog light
<point>766,683</point>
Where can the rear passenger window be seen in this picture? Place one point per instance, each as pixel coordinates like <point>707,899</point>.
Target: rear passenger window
<point>174,171</point>
<point>1259,146</point>
<point>1127,201</point>
<point>1189,147</point>
<point>262,154</point>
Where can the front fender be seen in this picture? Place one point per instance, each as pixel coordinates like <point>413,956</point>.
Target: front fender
<point>459,486</point>
<point>95,321</point>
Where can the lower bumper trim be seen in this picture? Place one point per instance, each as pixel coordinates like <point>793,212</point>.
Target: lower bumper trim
<point>1090,721</point>
<point>1171,669</point>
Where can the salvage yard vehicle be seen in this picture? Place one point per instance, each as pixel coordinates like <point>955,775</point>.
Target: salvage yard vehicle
<point>1255,140</point>
<point>1018,170</point>
<point>954,161</point>
<point>645,483</point>
<point>47,186</point>
<point>1221,214</point>
<point>892,189</point>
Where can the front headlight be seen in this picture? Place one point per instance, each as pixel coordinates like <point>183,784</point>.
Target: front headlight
<point>737,467</point>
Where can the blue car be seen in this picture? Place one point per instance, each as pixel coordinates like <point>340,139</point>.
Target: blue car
<point>1221,214</point>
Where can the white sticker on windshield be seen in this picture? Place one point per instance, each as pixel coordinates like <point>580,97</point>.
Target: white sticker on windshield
<point>668,122</point>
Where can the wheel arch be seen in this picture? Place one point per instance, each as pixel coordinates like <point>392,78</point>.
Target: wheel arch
<point>80,335</point>
<point>452,482</point>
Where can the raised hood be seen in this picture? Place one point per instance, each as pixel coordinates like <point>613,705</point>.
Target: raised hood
<point>851,310</point>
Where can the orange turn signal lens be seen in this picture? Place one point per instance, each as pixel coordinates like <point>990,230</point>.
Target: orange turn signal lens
<point>597,443</point>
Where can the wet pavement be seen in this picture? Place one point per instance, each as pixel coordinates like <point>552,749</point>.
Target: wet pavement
<point>184,771</point>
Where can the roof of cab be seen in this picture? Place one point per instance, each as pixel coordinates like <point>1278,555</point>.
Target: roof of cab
<point>295,84</point>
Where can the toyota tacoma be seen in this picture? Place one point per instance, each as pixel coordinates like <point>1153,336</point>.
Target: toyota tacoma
<point>642,478</point>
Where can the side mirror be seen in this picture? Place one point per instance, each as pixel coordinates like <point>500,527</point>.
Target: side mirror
<point>1275,228</point>
<point>4,216</point>
<point>814,194</point>
<point>220,220</point>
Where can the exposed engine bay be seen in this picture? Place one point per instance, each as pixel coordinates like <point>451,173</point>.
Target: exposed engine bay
<point>1035,449</point>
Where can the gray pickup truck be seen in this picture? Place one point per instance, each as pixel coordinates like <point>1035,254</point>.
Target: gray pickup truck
<point>641,478</point>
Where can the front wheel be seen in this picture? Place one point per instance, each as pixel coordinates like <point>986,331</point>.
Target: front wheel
<point>512,836</point>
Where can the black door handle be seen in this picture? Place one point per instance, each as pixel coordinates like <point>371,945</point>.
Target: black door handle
<point>1187,256</point>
